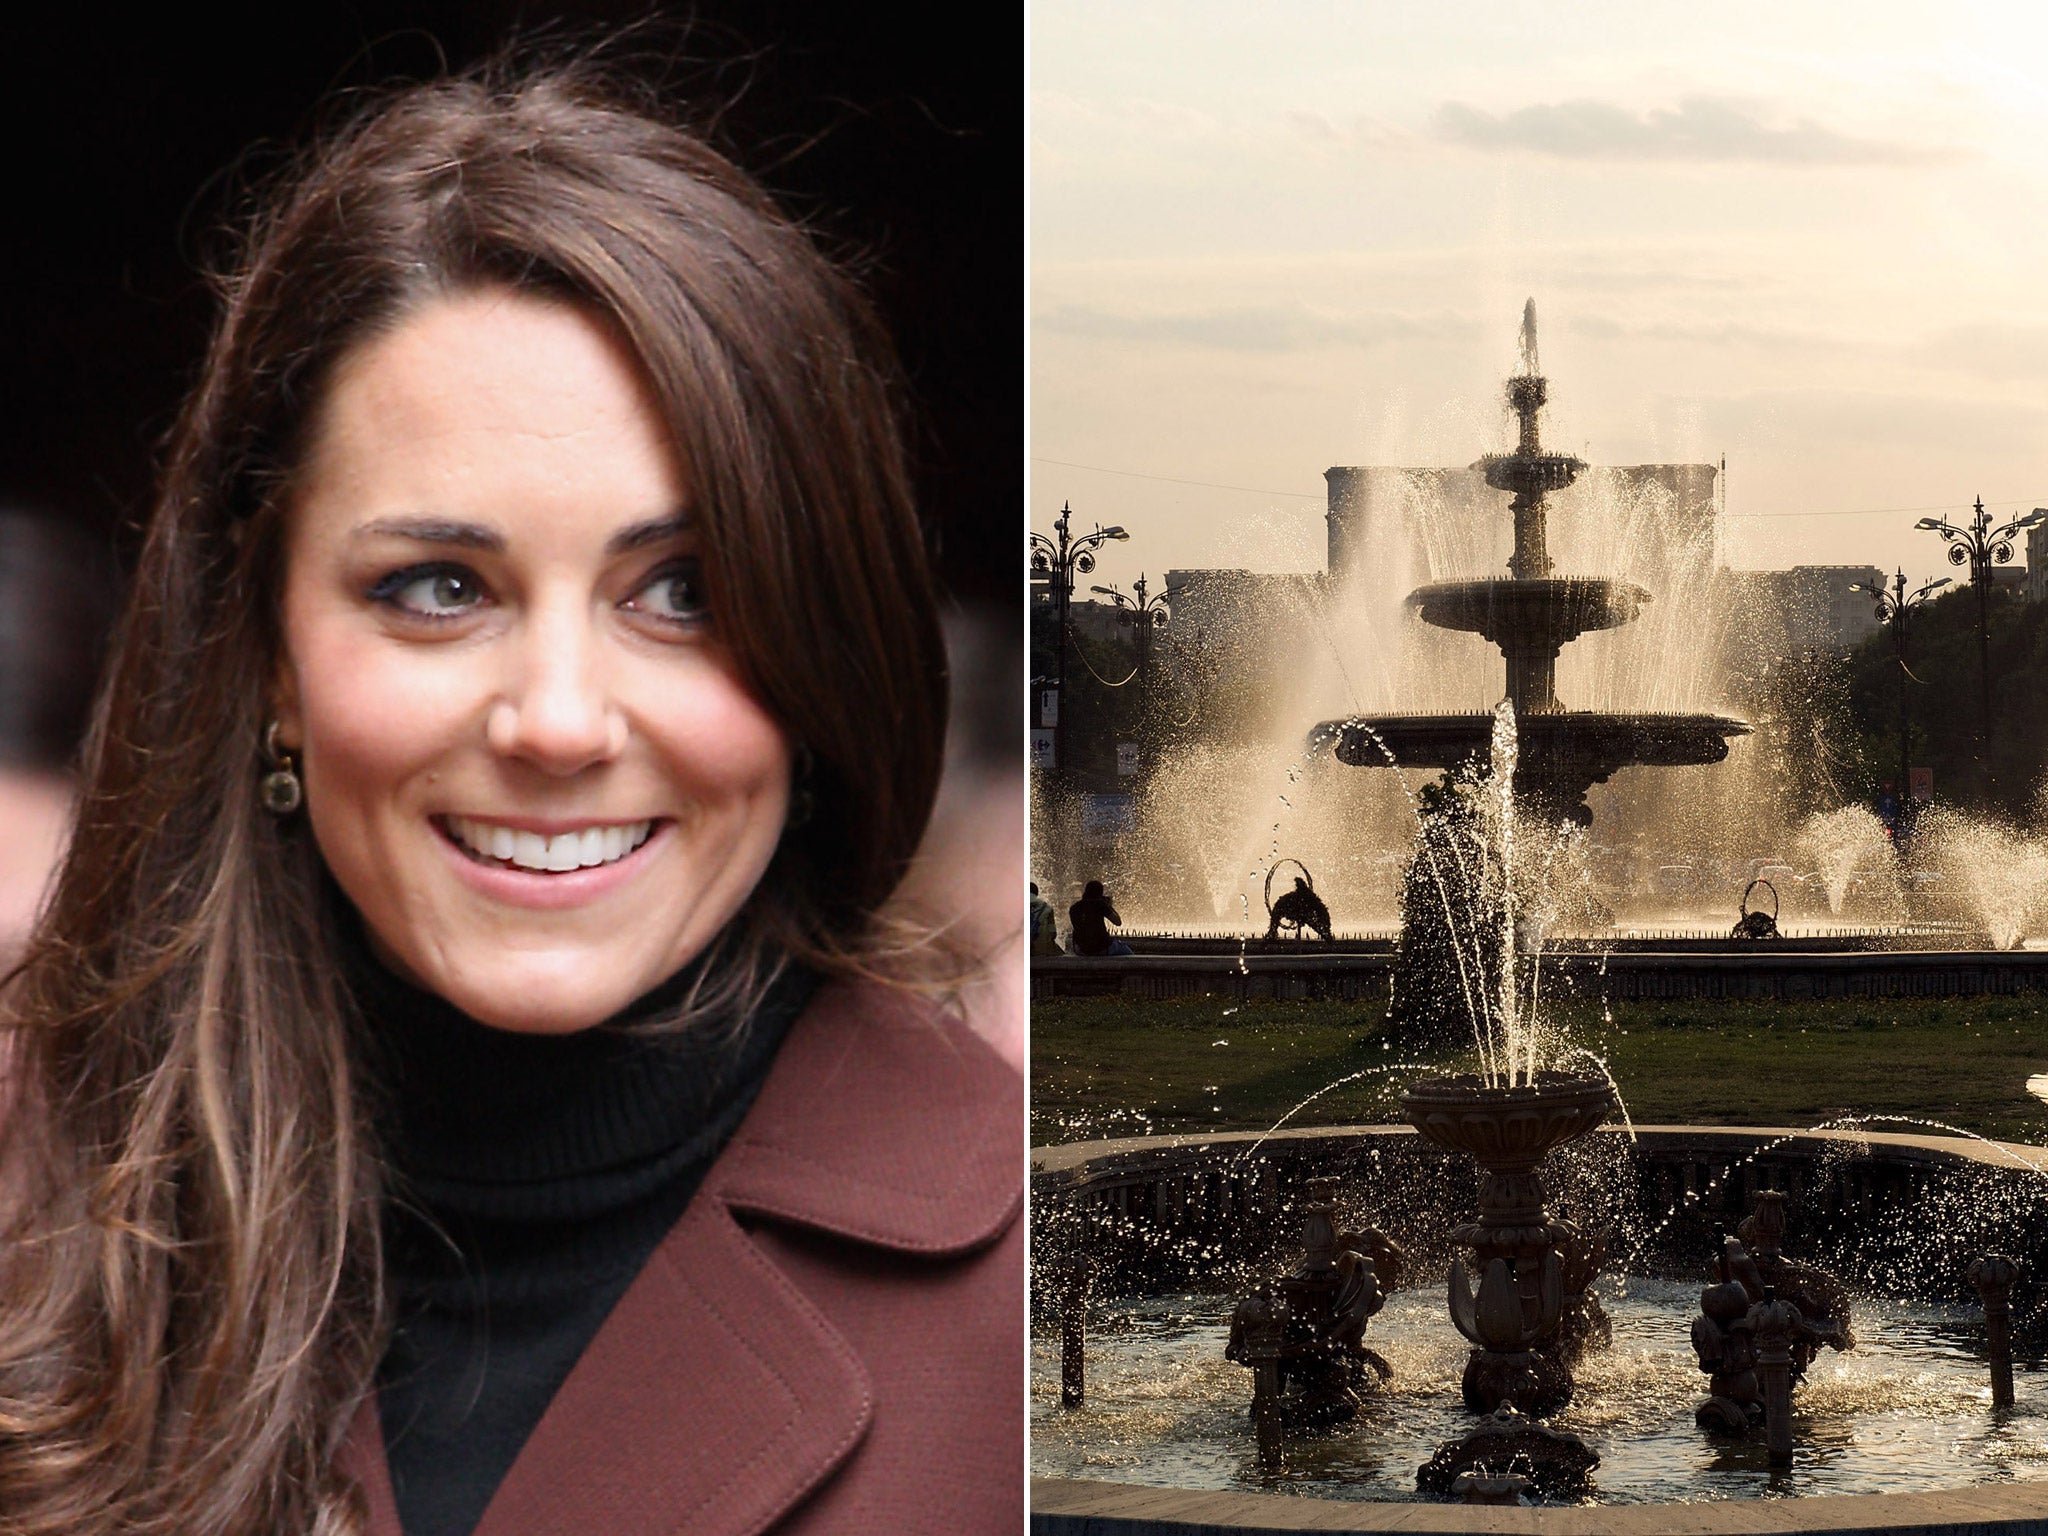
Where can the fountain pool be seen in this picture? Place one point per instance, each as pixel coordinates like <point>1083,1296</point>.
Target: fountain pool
<point>1907,1410</point>
<point>1173,1226</point>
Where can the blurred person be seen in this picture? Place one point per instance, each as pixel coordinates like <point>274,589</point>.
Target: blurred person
<point>1045,934</point>
<point>56,600</point>
<point>973,850</point>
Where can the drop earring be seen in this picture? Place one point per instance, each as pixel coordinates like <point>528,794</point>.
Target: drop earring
<point>281,789</point>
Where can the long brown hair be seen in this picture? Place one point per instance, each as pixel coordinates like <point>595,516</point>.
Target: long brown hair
<point>189,1283</point>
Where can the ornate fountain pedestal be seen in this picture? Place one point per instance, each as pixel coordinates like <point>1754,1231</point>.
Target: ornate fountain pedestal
<point>1303,1338</point>
<point>1533,1314</point>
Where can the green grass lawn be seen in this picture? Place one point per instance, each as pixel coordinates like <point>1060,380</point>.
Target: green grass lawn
<point>1116,1066</point>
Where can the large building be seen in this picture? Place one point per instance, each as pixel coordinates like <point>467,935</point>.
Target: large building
<point>1808,608</point>
<point>1616,519</point>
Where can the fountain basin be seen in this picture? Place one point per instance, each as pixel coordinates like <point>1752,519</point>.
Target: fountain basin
<point>1528,474</point>
<point>1541,611</point>
<point>1903,1413</point>
<point>1899,1214</point>
<point>1581,740</point>
<point>1508,1129</point>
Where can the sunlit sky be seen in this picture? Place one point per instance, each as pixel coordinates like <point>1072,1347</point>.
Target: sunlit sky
<point>1271,238</point>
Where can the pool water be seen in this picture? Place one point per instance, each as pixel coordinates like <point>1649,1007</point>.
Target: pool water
<point>1909,1409</point>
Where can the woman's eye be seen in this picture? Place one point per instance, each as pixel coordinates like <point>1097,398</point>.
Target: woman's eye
<point>675,592</point>
<point>437,592</point>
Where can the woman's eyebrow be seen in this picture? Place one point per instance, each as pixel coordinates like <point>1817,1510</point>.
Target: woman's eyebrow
<point>432,530</point>
<point>656,530</point>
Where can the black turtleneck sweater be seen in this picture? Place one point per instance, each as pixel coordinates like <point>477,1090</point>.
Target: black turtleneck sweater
<point>531,1178</point>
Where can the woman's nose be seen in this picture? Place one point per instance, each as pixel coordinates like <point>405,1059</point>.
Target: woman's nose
<point>555,709</point>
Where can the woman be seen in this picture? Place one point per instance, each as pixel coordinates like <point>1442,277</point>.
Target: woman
<point>461,1085</point>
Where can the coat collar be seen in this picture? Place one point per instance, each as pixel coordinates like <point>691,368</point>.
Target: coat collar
<point>716,1396</point>
<point>884,1122</point>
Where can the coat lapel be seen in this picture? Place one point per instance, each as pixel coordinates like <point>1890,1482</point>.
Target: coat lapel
<point>713,1399</point>
<point>716,1397</point>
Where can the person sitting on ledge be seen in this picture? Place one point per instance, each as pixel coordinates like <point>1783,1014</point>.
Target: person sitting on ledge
<point>1088,915</point>
<point>1045,937</point>
<point>1304,909</point>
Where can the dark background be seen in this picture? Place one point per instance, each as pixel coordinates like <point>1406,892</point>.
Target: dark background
<point>123,144</point>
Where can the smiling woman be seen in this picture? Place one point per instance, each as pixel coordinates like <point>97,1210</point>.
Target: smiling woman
<point>462,1081</point>
<point>500,667</point>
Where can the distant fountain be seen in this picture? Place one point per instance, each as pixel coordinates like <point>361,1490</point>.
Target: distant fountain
<point>1997,875</point>
<point>1842,842</point>
<point>1531,615</point>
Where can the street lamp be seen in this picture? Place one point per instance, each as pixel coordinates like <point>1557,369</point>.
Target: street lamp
<point>1894,606</point>
<point>1144,614</point>
<point>1980,546</point>
<point>1056,560</point>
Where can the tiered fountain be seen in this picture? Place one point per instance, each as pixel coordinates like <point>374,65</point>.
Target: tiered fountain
<point>1165,1216</point>
<point>1531,615</point>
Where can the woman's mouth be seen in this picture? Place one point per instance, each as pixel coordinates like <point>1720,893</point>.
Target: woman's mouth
<point>512,847</point>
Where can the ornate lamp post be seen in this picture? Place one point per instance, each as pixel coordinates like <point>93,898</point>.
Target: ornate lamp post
<point>1980,546</point>
<point>1144,614</point>
<point>1056,559</point>
<point>1894,606</point>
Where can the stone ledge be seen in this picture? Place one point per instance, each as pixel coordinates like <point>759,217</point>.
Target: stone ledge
<point>1075,1163</point>
<point>1760,974</point>
<point>1070,1507</point>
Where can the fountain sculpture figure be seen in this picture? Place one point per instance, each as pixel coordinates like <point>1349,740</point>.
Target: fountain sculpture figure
<point>1531,616</point>
<point>1304,1337</point>
<point>1760,1325</point>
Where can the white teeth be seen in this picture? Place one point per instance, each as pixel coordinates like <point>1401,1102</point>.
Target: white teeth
<point>554,855</point>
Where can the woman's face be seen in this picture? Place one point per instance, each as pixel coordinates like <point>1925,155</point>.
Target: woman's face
<point>528,760</point>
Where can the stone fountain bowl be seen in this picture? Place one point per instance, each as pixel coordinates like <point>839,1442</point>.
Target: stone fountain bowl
<point>1507,1128</point>
<point>1522,473</point>
<point>1546,610</point>
<point>1560,744</point>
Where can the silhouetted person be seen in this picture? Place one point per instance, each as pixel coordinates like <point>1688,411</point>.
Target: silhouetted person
<point>1303,908</point>
<point>1045,936</point>
<point>1088,915</point>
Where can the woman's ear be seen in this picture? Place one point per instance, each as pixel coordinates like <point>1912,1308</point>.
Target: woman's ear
<point>284,706</point>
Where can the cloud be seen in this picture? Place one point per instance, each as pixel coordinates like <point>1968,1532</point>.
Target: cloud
<point>1706,333</point>
<point>2003,352</point>
<point>1700,129</point>
<point>1356,132</point>
<point>1268,328</point>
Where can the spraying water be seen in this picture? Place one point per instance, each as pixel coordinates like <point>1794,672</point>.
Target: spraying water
<point>1841,843</point>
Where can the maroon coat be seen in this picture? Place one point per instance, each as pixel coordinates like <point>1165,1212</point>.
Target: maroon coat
<point>832,1337</point>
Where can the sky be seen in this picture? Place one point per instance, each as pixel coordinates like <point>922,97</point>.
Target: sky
<point>1269,239</point>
